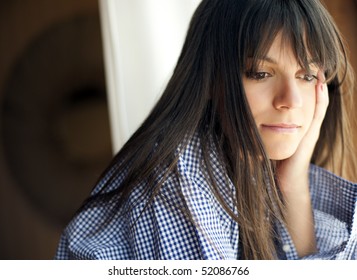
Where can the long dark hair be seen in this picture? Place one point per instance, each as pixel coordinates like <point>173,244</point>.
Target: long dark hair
<point>205,97</point>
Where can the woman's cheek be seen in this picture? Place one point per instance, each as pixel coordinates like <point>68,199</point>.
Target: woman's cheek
<point>309,102</point>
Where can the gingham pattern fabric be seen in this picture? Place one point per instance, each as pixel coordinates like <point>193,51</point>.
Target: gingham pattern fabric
<point>163,231</point>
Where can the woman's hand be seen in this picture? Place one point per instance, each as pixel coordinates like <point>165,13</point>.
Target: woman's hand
<point>292,174</point>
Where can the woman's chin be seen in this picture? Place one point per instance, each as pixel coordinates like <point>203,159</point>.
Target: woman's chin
<point>280,154</point>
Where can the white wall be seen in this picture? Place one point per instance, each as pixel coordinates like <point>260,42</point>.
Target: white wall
<point>142,41</point>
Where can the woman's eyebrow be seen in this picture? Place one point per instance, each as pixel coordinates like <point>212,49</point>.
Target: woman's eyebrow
<point>264,58</point>
<point>269,59</point>
<point>313,62</point>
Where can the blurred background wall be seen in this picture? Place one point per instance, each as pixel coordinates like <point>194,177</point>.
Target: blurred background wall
<point>54,125</point>
<point>55,131</point>
<point>345,15</point>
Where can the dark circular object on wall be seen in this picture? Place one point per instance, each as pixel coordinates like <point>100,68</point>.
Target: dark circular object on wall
<point>55,125</point>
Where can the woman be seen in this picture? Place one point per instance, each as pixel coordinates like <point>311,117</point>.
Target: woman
<point>220,169</point>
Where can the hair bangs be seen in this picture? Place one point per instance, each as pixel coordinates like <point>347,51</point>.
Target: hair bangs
<point>310,36</point>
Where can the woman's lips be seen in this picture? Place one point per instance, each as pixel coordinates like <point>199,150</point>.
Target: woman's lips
<point>281,127</point>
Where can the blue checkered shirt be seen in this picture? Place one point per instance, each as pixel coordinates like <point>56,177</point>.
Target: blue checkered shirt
<point>163,231</point>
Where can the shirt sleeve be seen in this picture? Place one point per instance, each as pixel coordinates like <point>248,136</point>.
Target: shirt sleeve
<point>334,202</point>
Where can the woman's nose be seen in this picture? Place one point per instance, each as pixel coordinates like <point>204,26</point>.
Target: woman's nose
<point>288,96</point>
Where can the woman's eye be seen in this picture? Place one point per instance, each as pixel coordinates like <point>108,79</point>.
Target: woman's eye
<point>309,77</point>
<point>258,75</point>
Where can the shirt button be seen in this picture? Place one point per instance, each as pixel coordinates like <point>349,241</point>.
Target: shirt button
<point>286,248</point>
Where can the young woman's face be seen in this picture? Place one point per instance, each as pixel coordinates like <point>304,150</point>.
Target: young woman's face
<point>282,99</point>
